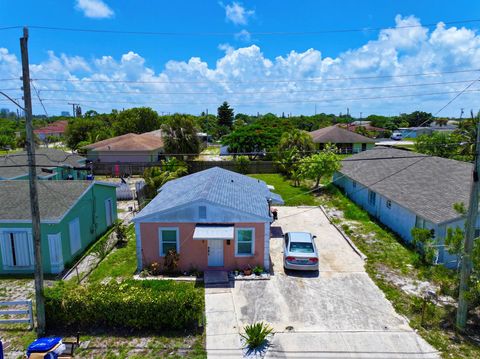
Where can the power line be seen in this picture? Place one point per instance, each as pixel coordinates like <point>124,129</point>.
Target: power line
<point>312,79</point>
<point>259,102</point>
<point>139,92</point>
<point>253,33</point>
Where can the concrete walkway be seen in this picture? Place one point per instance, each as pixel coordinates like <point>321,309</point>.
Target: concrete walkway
<point>337,312</point>
<point>223,338</point>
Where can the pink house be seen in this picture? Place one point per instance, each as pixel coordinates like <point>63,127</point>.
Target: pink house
<point>214,219</point>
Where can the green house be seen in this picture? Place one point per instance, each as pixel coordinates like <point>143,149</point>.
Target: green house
<point>346,141</point>
<point>73,214</point>
<point>52,164</point>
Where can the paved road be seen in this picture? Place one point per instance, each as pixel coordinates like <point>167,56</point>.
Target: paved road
<point>336,313</point>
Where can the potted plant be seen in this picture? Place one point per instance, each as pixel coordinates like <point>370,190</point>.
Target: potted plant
<point>247,270</point>
<point>258,270</point>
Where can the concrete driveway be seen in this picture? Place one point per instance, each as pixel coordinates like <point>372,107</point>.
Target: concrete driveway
<point>337,312</point>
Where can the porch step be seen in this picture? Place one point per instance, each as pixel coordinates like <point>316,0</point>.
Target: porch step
<point>215,277</point>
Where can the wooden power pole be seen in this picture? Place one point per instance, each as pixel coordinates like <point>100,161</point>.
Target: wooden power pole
<point>472,214</point>
<point>27,97</point>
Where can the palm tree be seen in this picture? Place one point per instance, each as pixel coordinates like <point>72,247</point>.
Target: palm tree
<point>180,136</point>
<point>296,139</point>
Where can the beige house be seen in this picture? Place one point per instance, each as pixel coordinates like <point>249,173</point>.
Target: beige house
<point>128,148</point>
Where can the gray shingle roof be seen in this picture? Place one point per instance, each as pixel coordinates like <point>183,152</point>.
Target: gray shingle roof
<point>55,198</point>
<point>427,185</point>
<point>216,185</point>
<point>336,134</point>
<point>47,157</point>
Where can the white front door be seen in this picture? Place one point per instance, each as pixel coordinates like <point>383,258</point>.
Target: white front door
<point>55,249</point>
<point>215,253</point>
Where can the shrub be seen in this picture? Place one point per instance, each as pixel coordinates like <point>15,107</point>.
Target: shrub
<point>121,232</point>
<point>171,261</point>
<point>242,164</point>
<point>256,334</point>
<point>258,270</point>
<point>129,305</point>
<point>154,268</point>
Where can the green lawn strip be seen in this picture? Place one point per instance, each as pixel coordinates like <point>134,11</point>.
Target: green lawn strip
<point>386,254</point>
<point>293,196</point>
<point>120,263</point>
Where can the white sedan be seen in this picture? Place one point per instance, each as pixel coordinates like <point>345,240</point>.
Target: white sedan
<point>300,251</point>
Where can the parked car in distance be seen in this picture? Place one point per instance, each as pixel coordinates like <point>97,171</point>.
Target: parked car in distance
<point>300,251</point>
<point>397,136</point>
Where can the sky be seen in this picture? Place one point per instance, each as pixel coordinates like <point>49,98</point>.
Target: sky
<point>293,57</point>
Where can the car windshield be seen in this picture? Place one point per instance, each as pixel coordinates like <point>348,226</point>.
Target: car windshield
<point>301,247</point>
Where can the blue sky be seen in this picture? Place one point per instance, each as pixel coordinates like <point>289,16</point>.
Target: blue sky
<point>228,65</point>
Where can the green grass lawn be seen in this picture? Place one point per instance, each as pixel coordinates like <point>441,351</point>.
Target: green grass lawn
<point>120,264</point>
<point>293,196</point>
<point>388,255</point>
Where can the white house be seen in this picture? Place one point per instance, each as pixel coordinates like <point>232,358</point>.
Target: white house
<point>404,189</point>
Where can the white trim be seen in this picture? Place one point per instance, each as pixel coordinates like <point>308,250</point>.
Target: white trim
<point>266,257</point>
<point>236,241</point>
<point>160,241</point>
<point>138,245</point>
<point>143,218</point>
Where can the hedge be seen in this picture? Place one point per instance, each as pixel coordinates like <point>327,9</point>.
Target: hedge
<point>130,305</point>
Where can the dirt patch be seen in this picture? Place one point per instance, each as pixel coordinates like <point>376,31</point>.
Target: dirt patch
<point>417,288</point>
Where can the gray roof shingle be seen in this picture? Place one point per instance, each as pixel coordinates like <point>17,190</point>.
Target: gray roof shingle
<point>427,185</point>
<point>55,198</point>
<point>45,157</point>
<point>216,185</point>
<point>336,134</point>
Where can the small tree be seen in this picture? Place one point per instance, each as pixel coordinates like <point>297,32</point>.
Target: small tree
<point>156,177</point>
<point>424,243</point>
<point>242,164</point>
<point>320,164</point>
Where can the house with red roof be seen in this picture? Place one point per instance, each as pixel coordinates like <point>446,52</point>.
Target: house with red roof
<point>55,129</point>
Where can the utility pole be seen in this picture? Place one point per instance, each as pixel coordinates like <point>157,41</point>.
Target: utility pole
<point>206,123</point>
<point>74,108</point>
<point>27,97</point>
<point>472,214</point>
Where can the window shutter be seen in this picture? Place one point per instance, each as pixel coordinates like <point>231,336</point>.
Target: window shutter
<point>6,248</point>
<point>22,249</point>
<point>74,231</point>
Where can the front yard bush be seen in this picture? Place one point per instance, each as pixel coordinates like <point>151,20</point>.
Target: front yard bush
<point>129,305</point>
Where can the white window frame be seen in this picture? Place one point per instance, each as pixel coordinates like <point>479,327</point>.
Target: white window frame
<point>72,251</point>
<point>28,231</point>
<point>372,194</point>
<point>160,239</point>
<point>236,241</point>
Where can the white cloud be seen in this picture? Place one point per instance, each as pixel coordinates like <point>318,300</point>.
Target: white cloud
<point>243,35</point>
<point>248,79</point>
<point>236,13</point>
<point>95,9</point>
